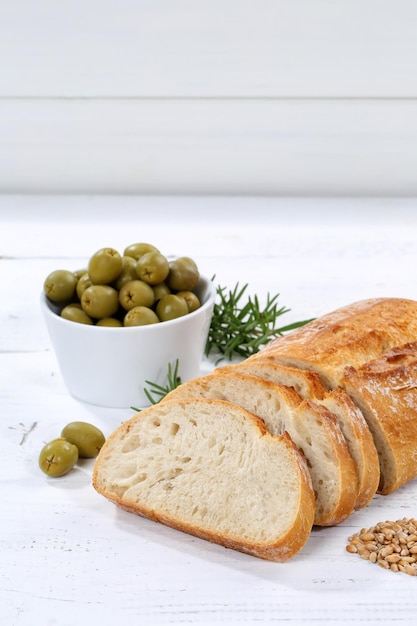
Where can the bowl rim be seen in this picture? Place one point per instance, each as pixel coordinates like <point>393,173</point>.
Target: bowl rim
<point>204,282</point>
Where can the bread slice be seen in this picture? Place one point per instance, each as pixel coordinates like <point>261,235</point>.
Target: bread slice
<point>211,469</point>
<point>312,427</point>
<point>360,443</point>
<point>350,336</point>
<point>352,423</point>
<point>385,389</point>
<point>305,383</point>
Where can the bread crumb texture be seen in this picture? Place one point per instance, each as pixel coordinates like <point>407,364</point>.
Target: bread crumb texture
<point>210,466</point>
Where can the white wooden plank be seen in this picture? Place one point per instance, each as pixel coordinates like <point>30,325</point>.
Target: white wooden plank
<point>217,48</point>
<point>232,146</point>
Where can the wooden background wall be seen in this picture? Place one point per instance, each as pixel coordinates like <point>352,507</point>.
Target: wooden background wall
<point>271,97</point>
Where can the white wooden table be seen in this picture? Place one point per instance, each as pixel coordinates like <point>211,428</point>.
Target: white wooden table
<point>68,556</point>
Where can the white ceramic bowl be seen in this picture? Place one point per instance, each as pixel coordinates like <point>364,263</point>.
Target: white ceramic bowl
<point>110,366</point>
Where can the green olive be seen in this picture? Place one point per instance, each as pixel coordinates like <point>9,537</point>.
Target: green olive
<point>83,282</point>
<point>160,290</point>
<point>113,285</point>
<point>100,301</point>
<point>75,313</point>
<point>136,293</point>
<point>192,300</point>
<point>140,316</point>
<point>152,268</point>
<point>136,250</point>
<point>58,457</point>
<point>80,272</point>
<point>183,274</point>
<point>128,272</point>
<point>170,307</point>
<point>87,438</point>
<point>104,266</point>
<point>110,322</point>
<point>59,286</point>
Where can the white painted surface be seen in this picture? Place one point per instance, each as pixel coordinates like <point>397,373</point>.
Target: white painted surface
<point>231,48</point>
<point>262,147</point>
<point>237,97</point>
<point>68,556</point>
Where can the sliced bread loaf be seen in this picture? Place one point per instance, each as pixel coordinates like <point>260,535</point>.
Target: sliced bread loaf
<point>211,469</point>
<point>314,430</point>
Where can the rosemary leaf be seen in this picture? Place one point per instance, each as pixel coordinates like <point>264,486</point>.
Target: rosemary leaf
<point>241,327</point>
<point>156,391</point>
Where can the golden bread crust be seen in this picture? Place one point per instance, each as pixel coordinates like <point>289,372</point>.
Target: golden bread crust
<point>305,383</point>
<point>386,391</point>
<point>347,481</point>
<point>360,443</point>
<point>350,336</point>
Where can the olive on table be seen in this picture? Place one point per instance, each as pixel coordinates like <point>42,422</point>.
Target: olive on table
<point>105,266</point>
<point>170,307</point>
<point>100,301</point>
<point>59,286</point>
<point>183,274</point>
<point>136,293</point>
<point>86,437</point>
<point>152,267</point>
<point>58,457</point>
<point>140,316</point>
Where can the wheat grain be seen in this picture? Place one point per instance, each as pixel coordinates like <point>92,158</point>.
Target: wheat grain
<point>392,545</point>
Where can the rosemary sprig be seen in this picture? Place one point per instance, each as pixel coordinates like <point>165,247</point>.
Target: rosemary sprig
<point>240,327</point>
<point>157,392</point>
